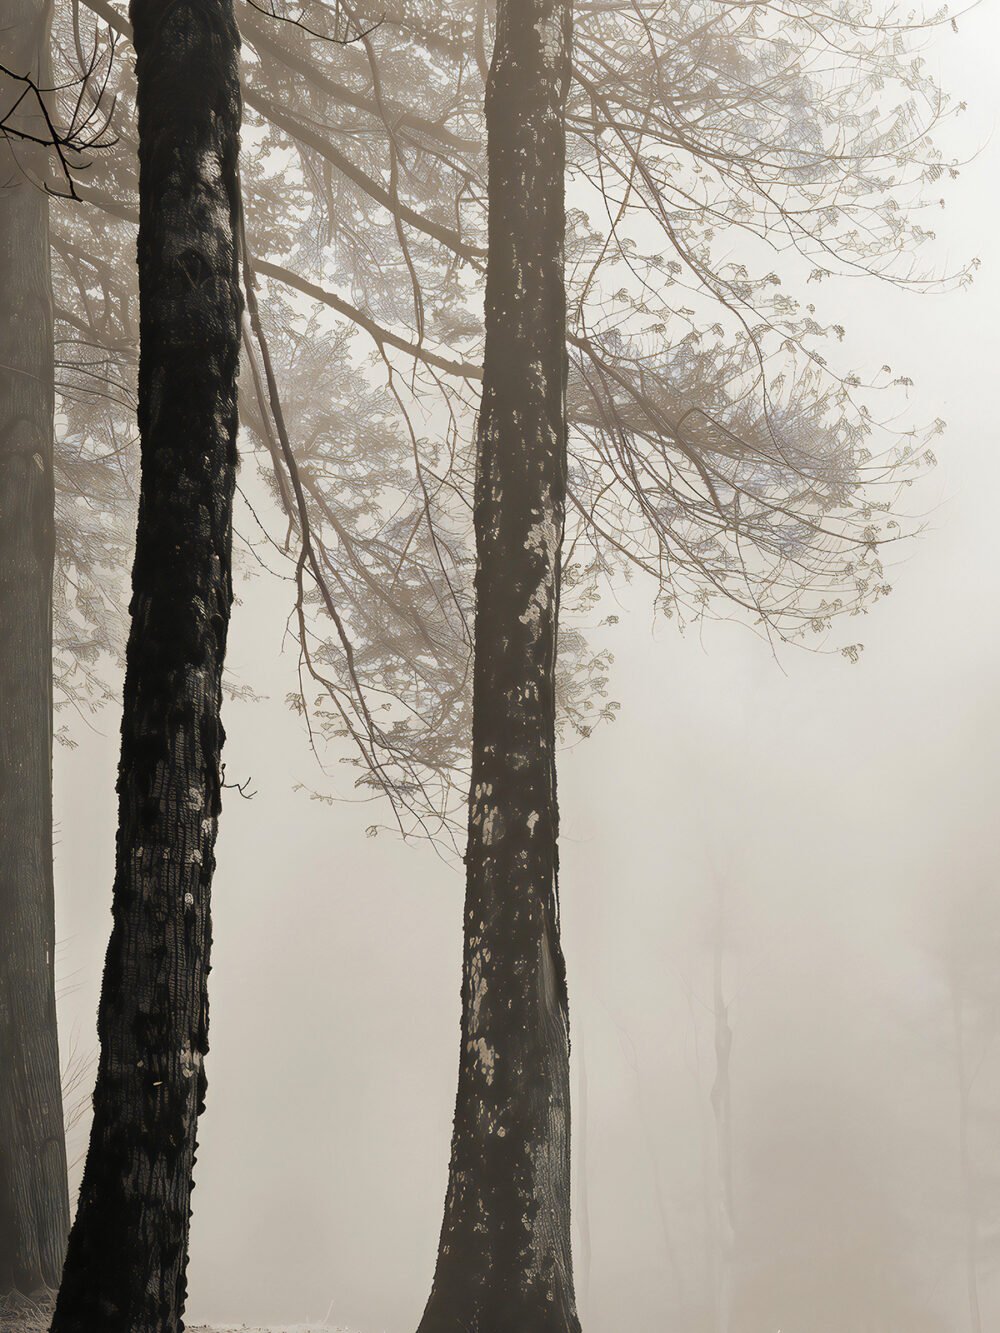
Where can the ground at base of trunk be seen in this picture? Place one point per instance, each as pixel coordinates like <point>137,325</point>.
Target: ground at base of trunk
<point>265,1328</point>
<point>26,1314</point>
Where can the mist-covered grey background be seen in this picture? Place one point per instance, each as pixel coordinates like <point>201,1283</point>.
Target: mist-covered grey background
<point>845,809</point>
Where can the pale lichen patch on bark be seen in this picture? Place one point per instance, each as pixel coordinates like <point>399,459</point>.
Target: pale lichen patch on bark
<point>486,1056</point>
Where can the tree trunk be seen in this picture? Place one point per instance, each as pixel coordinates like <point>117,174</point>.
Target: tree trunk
<point>504,1261</point>
<point>34,1204</point>
<point>582,1179</point>
<point>126,1266</point>
<point>965,1163</point>
<point>721,1098</point>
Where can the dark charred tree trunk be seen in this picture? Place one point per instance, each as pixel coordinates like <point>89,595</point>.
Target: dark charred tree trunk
<point>34,1205</point>
<point>582,1178</point>
<point>504,1262</point>
<point>126,1266</point>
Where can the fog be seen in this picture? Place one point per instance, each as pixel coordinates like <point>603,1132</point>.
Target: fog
<point>831,822</point>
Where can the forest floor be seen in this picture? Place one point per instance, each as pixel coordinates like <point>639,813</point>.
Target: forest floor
<point>18,1314</point>
<point>25,1316</point>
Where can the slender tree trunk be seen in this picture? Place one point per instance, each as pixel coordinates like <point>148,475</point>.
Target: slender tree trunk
<point>34,1205</point>
<point>504,1261</point>
<point>721,1098</point>
<point>965,1163</point>
<point>126,1266</point>
<point>708,1317</point>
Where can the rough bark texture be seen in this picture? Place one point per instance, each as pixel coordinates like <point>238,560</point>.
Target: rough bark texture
<point>34,1207</point>
<point>125,1270</point>
<point>582,1179</point>
<point>504,1261</point>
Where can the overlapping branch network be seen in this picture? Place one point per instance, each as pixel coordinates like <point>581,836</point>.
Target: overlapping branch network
<point>70,118</point>
<point>717,445</point>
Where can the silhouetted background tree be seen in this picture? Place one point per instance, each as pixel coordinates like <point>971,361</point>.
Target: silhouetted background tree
<point>34,1206</point>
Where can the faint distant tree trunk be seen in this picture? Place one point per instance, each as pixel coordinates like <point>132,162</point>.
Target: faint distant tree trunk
<point>583,1189</point>
<point>649,1143</point>
<point>126,1266</point>
<point>708,1210</point>
<point>504,1261</point>
<point>34,1204</point>
<point>965,1163</point>
<point>721,1098</point>
<point>662,1212</point>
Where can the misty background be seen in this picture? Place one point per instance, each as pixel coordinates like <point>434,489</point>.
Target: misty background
<point>842,814</point>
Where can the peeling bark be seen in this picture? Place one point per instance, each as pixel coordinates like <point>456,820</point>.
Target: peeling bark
<point>34,1205</point>
<point>504,1260</point>
<point>126,1266</point>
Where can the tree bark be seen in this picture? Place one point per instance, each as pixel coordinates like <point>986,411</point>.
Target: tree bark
<point>34,1204</point>
<point>126,1266</point>
<point>504,1261</point>
<point>582,1178</point>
